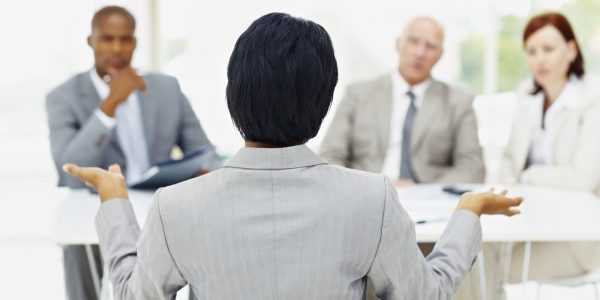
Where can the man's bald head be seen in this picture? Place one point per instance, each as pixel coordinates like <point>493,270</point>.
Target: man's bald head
<point>420,47</point>
<point>425,23</point>
<point>108,11</point>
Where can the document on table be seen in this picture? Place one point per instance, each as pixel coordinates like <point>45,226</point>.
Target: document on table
<point>174,171</point>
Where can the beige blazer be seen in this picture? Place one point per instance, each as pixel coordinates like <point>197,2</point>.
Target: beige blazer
<point>444,147</point>
<point>576,161</point>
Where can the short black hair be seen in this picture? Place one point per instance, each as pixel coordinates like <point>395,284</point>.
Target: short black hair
<point>110,10</point>
<point>281,78</point>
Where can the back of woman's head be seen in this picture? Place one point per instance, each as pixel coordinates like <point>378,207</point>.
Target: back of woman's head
<point>281,78</point>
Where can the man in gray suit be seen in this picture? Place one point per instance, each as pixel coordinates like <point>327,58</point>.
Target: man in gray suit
<point>406,124</point>
<point>278,222</point>
<point>111,114</point>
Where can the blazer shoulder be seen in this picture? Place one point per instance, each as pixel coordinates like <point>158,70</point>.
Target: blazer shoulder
<point>367,87</point>
<point>173,194</point>
<point>366,191</point>
<point>455,96</point>
<point>69,87</point>
<point>160,80</point>
<point>591,88</point>
<point>458,94</point>
<point>367,181</point>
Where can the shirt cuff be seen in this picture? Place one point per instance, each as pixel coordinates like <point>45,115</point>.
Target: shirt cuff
<point>105,119</point>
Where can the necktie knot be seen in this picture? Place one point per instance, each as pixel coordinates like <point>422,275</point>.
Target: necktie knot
<point>411,95</point>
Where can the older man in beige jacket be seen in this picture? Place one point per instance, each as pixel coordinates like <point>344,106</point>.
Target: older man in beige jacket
<point>408,125</point>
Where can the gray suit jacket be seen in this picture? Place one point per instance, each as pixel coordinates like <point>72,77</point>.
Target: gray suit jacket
<point>281,224</point>
<point>78,136</point>
<point>444,145</point>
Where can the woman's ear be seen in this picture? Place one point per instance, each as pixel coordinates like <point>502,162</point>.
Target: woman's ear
<point>573,50</point>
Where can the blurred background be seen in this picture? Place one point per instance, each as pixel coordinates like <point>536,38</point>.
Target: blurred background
<point>44,43</point>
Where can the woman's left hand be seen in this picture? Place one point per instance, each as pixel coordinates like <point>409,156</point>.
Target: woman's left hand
<point>110,183</point>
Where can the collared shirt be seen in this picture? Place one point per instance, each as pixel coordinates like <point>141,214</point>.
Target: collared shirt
<point>542,145</point>
<point>400,104</point>
<point>129,128</point>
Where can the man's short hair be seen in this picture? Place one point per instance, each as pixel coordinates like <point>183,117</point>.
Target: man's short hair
<point>110,10</point>
<point>281,78</point>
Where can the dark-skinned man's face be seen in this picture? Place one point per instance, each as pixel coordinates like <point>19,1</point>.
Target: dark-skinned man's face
<point>113,42</point>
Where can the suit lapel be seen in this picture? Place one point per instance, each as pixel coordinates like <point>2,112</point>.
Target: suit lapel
<point>432,102</point>
<point>564,122</point>
<point>383,115</point>
<point>88,94</point>
<point>147,101</point>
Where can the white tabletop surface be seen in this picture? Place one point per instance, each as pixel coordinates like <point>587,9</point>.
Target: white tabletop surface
<point>27,209</point>
<point>547,215</point>
<point>74,220</point>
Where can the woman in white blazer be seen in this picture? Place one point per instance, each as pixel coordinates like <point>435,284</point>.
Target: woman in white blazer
<point>554,142</point>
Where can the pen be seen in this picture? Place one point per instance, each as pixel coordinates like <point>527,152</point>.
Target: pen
<point>430,220</point>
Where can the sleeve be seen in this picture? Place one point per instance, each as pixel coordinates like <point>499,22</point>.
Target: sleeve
<point>107,121</point>
<point>514,154</point>
<point>399,270</point>
<point>583,172</point>
<point>146,271</point>
<point>336,147</point>
<point>70,141</point>
<point>467,156</point>
<point>191,136</point>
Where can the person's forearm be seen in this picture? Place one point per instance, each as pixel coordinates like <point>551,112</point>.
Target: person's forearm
<point>87,145</point>
<point>118,234</point>
<point>455,251</point>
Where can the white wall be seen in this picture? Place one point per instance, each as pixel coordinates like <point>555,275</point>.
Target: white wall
<point>363,35</point>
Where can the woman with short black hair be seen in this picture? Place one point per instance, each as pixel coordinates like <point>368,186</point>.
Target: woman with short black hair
<point>278,222</point>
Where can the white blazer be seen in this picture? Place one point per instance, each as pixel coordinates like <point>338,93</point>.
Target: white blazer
<point>576,151</point>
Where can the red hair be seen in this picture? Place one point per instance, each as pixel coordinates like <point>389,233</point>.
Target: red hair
<point>561,23</point>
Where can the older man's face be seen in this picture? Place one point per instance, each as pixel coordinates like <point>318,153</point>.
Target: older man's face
<point>419,48</point>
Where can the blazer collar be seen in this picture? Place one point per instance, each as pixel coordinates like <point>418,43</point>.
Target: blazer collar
<point>148,101</point>
<point>87,92</point>
<point>434,101</point>
<point>274,158</point>
<point>382,99</point>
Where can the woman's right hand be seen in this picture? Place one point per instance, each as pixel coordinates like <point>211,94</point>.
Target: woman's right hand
<point>490,203</point>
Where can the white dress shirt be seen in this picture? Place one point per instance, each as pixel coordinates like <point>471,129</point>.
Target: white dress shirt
<point>400,104</point>
<point>544,138</point>
<point>129,127</point>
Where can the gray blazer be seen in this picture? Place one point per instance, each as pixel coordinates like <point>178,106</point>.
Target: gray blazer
<point>281,224</point>
<point>444,146</point>
<point>78,136</point>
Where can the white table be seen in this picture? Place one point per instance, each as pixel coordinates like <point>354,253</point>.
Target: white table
<point>74,220</point>
<point>548,215</point>
<point>74,224</point>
